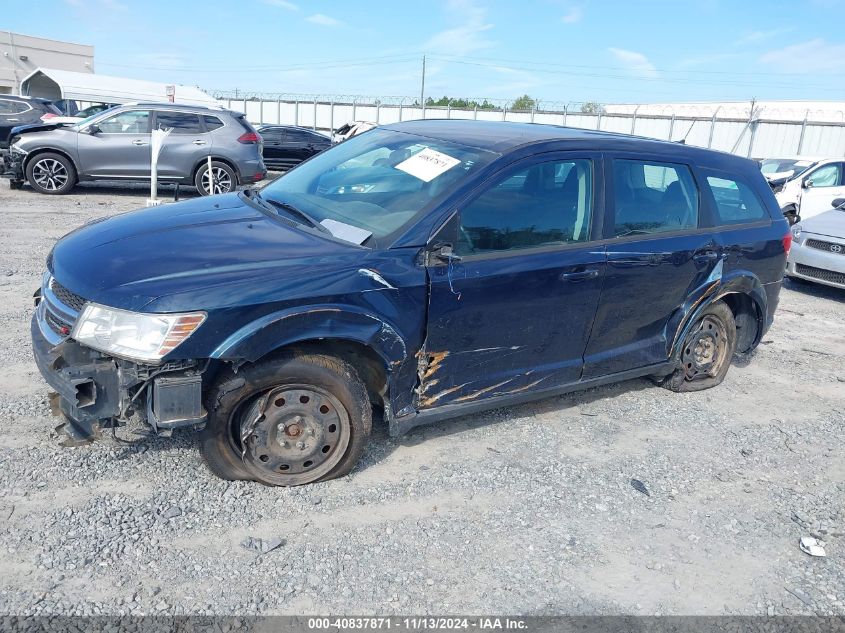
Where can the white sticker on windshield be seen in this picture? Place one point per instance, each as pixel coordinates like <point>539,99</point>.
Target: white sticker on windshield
<point>347,232</point>
<point>427,164</point>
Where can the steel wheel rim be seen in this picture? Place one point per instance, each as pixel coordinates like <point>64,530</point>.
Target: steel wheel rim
<point>50,174</point>
<point>705,349</point>
<point>222,181</point>
<point>292,434</point>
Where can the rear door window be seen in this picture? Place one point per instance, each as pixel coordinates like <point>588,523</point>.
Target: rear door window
<point>273,134</point>
<point>179,122</point>
<point>736,202</point>
<point>652,197</point>
<point>211,122</point>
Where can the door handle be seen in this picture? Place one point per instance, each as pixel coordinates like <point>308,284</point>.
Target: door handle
<point>138,141</point>
<point>580,275</point>
<point>13,119</point>
<point>199,142</point>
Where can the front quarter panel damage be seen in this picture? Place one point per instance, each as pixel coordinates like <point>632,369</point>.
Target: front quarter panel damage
<point>383,308</point>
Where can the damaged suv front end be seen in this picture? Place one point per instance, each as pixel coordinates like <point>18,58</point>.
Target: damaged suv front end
<point>105,364</point>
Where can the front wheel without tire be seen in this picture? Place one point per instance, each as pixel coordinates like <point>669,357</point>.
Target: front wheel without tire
<point>288,421</point>
<point>706,352</point>
<point>221,179</point>
<point>51,174</point>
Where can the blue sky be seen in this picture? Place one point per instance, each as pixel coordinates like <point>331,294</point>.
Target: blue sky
<point>554,50</point>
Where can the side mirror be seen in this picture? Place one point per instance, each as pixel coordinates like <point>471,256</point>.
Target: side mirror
<point>445,253</point>
<point>839,203</point>
<point>93,129</point>
<point>807,184</point>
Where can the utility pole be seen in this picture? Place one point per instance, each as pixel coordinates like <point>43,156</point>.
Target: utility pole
<point>422,88</point>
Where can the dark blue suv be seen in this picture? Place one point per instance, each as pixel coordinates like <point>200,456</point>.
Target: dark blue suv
<point>429,269</point>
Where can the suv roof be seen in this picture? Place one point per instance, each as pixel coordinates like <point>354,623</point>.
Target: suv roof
<point>178,106</point>
<point>26,98</point>
<point>505,136</point>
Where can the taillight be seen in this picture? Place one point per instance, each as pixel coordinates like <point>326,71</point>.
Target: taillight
<point>249,137</point>
<point>48,115</point>
<point>787,241</point>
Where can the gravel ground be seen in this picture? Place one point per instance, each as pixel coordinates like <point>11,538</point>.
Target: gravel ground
<point>527,510</point>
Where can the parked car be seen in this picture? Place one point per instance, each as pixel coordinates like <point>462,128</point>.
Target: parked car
<point>818,248</point>
<point>115,145</point>
<point>783,168</point>
<point>427,268</point>
<point>15,111</point>
<point>806,188</point>
<point>83,114</point>
<point>354,128</point>
<point>286,146</point>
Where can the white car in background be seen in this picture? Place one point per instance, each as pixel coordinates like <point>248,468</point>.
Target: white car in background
<point>351,129</point>
<point>818,248</point>
<point>804,187</point>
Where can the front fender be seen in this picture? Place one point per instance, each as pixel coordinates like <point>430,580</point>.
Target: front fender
<point>336,322</point>
<point>293,325</point>
<point>714,289</point>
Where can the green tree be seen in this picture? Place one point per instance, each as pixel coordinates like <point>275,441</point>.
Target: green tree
<point>592,107</point>
<point>524,103</point>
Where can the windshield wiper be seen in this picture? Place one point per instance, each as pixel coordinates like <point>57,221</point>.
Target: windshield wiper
<point>269,203</point>
<point>299,212</point>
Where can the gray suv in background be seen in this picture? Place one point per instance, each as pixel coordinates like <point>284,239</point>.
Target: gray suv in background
<point>115,145</point>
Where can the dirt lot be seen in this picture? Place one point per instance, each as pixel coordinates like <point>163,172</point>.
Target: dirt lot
<point>527,510</point>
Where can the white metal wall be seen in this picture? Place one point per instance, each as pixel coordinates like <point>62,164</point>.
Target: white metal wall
<point>759,138</point>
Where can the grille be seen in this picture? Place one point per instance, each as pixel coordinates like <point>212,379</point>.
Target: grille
<point>70,299</point>
<point>56,324</point>
<point>820,273</point>
<point>826,246</point>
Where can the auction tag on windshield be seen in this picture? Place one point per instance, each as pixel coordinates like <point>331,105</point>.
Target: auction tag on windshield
<point>427,164</point>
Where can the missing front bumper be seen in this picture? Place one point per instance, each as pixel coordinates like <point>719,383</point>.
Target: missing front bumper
<point>94,391</point>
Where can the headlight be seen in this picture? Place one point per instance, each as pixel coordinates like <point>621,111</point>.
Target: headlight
<point>796,231</point>
<point>132,335</point>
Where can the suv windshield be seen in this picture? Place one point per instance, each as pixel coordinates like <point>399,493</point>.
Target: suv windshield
<point>378,181</point>
<point>785,165</point>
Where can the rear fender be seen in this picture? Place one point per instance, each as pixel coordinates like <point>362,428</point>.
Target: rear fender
<point>714,289</point>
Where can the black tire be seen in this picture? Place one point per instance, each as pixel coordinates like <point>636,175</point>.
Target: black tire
<point>51,173</point>
<point>707,351</point>
<point>225,178</point>
<point>252,403</point>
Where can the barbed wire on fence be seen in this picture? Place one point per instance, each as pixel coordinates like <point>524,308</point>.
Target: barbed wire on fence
<point>539,105</point>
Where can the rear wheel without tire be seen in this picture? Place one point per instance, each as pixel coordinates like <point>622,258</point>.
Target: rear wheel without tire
<point>706,352</point>
<point>224,178</point>
<point>51,173</point>
<point>288,421</point>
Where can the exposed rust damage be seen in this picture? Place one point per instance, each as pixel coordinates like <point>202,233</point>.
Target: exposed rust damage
<point>427,401</point>
<point>431,364</point>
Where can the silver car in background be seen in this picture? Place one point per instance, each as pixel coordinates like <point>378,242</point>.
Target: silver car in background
<point>115,145</point>
<point>818,248</point>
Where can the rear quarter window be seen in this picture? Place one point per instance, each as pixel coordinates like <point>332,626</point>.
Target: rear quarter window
<point>211,122</point>
<point>736,202</point>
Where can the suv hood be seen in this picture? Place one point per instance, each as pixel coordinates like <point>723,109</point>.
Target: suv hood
<point>36,127</point>
<point>199,254</point>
